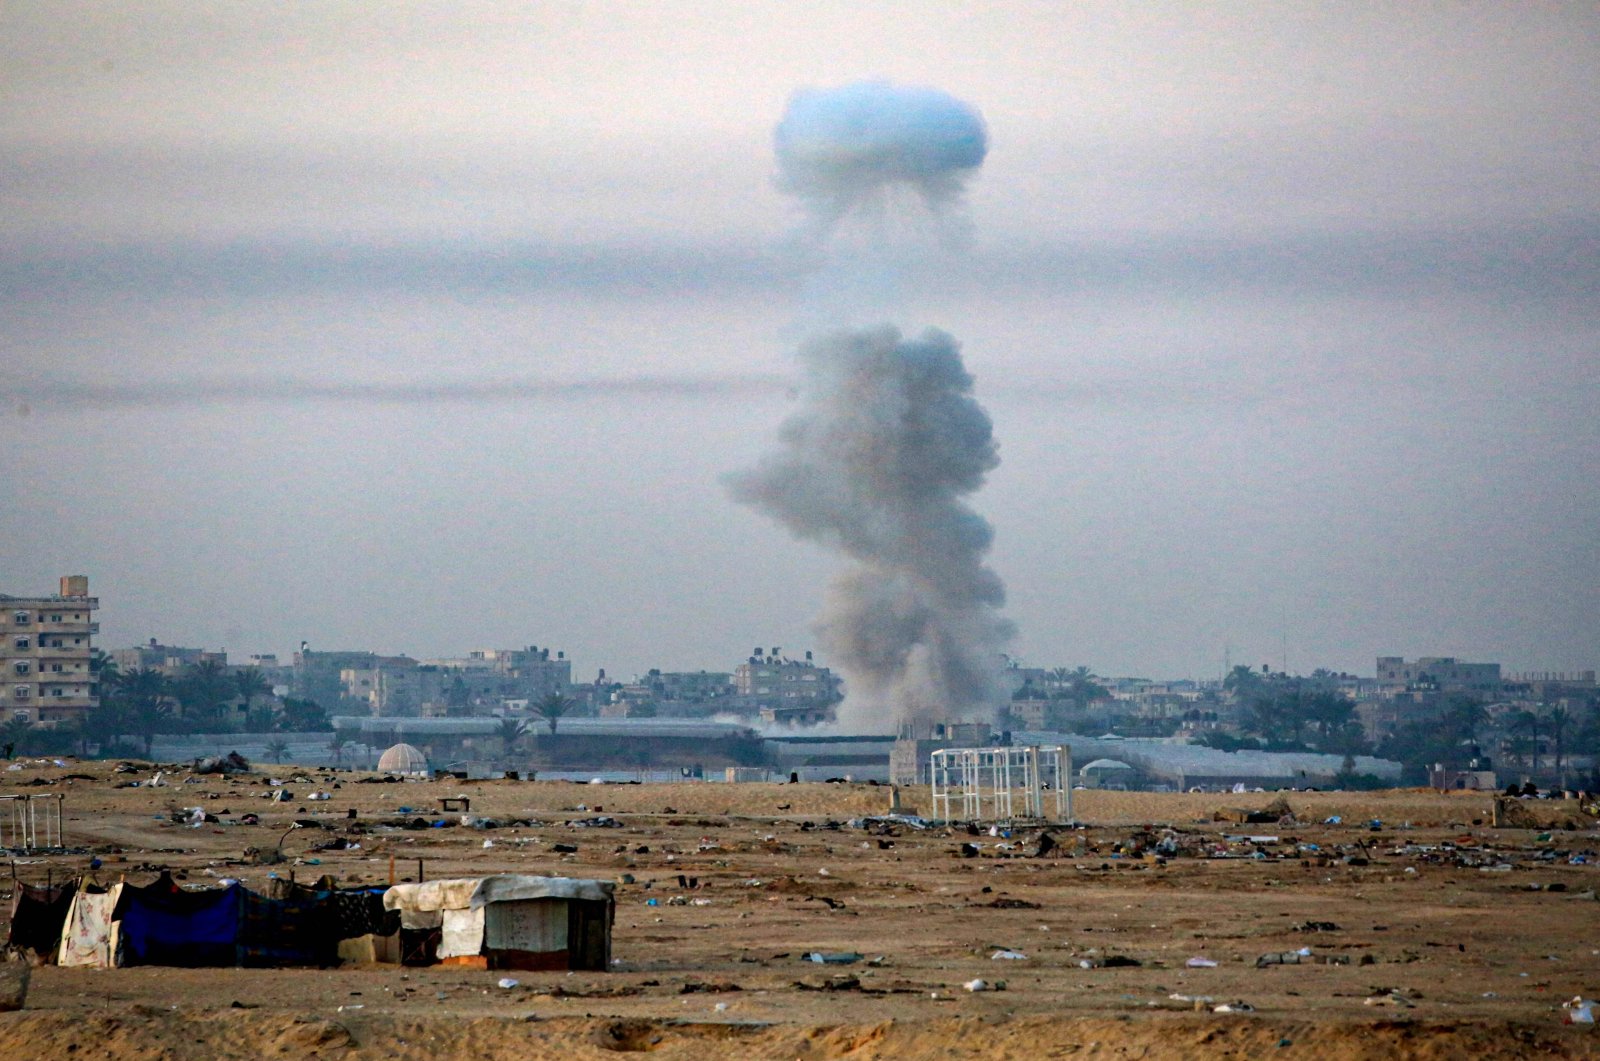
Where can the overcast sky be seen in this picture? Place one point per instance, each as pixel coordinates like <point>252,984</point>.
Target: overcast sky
<point>428,327</point>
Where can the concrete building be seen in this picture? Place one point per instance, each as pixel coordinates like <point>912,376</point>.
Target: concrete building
<point>1444,674</point>
<point>788,687</point>
<point>170,660</point>
<point>484,682</point>
<point>917,740</point>
<point>46,645</point>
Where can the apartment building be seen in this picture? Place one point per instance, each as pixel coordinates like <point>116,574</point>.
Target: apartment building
<point>45,649</point>
<point>786,680</point>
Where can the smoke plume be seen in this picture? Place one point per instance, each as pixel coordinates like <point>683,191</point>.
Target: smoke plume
<point>839,149</point>
<point>887,441</point>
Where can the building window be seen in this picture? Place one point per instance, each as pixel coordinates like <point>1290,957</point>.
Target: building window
<point>22,644</point>
<point>22,692</point>
<point>21,666</point>
<point>20,716</point>
<point>20,618</point>
<point>57,691</point>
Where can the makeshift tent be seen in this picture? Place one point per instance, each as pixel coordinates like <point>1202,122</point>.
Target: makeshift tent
<point>163,924</point>
<point>37,916</point>
<point>89,936</point>
<point>512,921</point>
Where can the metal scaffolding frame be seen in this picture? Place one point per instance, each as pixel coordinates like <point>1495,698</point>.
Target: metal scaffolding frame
<point>29,816</point>
<point>977,784</point>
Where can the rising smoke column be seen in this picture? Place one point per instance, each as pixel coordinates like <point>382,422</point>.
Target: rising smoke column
<point>888,440</point>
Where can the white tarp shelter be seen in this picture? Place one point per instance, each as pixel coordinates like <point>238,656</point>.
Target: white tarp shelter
<point>512,921</point>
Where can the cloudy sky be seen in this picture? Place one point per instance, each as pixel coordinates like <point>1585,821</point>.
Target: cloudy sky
<point>427,327</point>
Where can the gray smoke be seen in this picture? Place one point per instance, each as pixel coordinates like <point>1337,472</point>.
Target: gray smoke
<point>887,442</point>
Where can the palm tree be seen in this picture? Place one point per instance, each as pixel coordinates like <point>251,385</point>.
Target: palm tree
<point>1084,685</point>
<point>1242,682</point>
<point>203,689</point>
<point>337,745</point>
<point>248,683</point>
<point>146,696</point>
<point>552,707</point>
<point>1466,716</point>
<point>511,730</point>
<point>278,750</point>
<point>104,670</point>
<point>1529,721</point>
<point>1329,712</point>
<point>1556,721</point>
<point>13,732</point>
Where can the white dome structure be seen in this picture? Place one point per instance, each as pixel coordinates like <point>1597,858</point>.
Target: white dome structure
<point>1098,764</point>
<point>403,759</point>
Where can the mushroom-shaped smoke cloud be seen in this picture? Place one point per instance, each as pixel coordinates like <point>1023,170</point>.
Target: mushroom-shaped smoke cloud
<point>840,147</point>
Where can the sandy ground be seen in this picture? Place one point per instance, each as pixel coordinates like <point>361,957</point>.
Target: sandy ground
<point>1444,937</point>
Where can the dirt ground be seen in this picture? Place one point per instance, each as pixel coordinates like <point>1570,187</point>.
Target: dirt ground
<point>1427,932</point>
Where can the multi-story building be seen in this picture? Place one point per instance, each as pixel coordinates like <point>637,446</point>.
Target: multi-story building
<point>484,682</point>
<point>45,649</point>
<point>785,680</point>
<point>170,660</point>
<point>1444,674</point>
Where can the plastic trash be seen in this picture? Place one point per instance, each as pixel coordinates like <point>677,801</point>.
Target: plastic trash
<point>834,957</point>
<point>1008,956</point>
<point>985,985</point>
<point>508,983</point>
<point>1198,962</point>
<point>1579,1011</point>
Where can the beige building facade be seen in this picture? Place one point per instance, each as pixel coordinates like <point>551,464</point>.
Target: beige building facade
<point>46,644</point>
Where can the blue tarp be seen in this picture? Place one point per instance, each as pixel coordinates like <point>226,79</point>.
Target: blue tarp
<point>162,925</point>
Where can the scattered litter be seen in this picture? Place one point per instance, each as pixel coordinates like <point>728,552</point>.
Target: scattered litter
<point>1389,996</point>
<point>984,985</point>
<point>833,957</point>
<point>508,983</point>
<point>1110,961</point>
<point>1008,956</point>
<point>1234,1007</point>
<point>1200,963</point>
<point>1579,1011</point>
